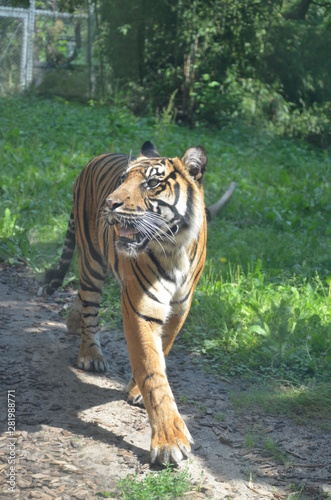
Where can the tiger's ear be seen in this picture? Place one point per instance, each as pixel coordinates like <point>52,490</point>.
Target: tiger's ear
<point>195,160</point>
<point>149,150</point>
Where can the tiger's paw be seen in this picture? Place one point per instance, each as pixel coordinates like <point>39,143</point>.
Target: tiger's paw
<point>134,395</point>
<point>171,443</point>
<point>92,362</point>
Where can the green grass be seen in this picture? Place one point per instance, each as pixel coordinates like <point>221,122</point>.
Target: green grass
<point>166,484</point>
<point>278,454</point>
<point>263,304</point>
<point>253,321</point>
<point>300,403</point>
<point>255,439</point>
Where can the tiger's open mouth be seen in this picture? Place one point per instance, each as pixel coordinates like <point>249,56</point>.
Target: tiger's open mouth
<point>128,234</point>
<point>134,234</point>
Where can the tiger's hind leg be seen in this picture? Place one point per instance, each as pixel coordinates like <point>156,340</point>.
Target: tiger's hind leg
<point>134,395</point>
<point>75,317</point>
<point>90,356</point>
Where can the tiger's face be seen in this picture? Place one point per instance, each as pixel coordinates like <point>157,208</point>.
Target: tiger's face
<point>158,202</point>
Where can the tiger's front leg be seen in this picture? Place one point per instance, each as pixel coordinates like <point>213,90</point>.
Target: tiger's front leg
<point>169,333</point>
<point>170,436</point>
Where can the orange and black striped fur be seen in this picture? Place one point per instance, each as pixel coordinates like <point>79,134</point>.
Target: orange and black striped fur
<point>142,220</point>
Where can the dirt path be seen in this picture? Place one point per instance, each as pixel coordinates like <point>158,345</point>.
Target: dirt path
<point>76,435</point>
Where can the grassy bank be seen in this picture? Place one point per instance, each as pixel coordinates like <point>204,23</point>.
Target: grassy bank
<point>263,305</point>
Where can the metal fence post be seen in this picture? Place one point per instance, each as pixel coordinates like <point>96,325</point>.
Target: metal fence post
<point>29,69</point>
<point>24,52</point>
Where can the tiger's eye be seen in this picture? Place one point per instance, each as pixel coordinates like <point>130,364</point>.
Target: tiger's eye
<point>152,183</point>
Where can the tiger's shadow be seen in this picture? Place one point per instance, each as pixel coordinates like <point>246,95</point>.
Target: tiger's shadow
<point>39,368</point>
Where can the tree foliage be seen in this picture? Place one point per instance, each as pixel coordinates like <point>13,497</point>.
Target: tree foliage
<point>264,60</point>
<point>216,60</point>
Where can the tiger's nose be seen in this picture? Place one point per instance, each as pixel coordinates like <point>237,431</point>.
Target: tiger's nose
<point>113,204</point>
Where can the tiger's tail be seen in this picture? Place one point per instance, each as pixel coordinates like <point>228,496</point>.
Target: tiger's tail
<point>54,277</point>
<point>213,210</point>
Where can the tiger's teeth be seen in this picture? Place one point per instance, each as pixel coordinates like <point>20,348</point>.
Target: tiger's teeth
<point>117,231</point>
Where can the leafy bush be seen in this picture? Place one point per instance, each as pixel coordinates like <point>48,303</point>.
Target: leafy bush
<point>312,124</point>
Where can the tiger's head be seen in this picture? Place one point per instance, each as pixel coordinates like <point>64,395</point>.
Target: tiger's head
<point>159,202</point>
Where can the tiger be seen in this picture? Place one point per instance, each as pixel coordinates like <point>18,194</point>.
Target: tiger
<point>143,220</point>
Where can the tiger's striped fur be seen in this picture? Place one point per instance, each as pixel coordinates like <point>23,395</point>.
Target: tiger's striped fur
<point>143,220</point>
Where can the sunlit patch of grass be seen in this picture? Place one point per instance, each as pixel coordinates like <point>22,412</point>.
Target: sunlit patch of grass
<point>248,323</point>
<point>167,484</point>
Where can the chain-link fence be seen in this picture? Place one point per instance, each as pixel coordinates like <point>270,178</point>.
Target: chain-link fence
<point>13,46</point>
<point>47,49</point>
